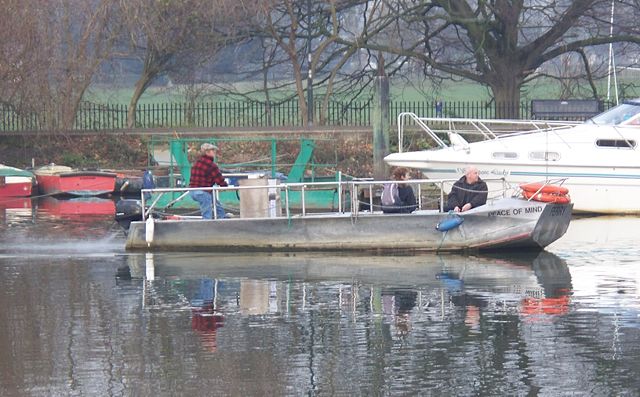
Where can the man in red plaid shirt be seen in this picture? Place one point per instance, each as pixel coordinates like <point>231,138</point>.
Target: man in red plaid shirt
<point>205,173</point>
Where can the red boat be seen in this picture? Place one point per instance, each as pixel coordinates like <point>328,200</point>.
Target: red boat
<point>15,182</point>
<point>61,180</point>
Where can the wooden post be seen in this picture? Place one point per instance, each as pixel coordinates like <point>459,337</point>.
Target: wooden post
<point>380,122</point>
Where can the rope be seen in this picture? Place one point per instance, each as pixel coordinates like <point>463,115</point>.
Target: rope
<point>442,240</point>
<point>476,191</point>
<point>491,194</point>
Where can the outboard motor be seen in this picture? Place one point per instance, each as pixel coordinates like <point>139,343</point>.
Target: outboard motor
<point>127,211</point>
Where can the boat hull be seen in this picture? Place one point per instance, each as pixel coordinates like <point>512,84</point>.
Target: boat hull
<point>601,190</point>
<point>598,159</point>
<point>508,223</point>
<point>79,183</point>
<point>15,186</point>
<point>15,182</point>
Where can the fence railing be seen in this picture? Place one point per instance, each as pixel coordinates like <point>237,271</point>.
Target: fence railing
<point>101,117</point>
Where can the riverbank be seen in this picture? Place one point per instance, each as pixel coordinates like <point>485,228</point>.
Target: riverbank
<point>349,153</point>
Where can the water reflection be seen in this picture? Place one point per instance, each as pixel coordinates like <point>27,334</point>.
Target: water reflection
<point>202,324</point>
<point>76,207</point>
<point>400,290</point>
<point>205,317</point>
<point>56,223</point>
<point>15,209</point>
<point>26,210</point>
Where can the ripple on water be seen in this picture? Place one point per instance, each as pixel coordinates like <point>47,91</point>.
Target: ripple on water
<point>319,324</point>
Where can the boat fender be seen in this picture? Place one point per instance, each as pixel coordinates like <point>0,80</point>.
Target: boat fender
<point>148,230</point>
<point>450,222</point>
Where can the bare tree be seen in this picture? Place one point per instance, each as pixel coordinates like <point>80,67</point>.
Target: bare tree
<point>52,55</point>
<point>19,48</point>
<point>282,23</point>
<point>306,34</point>
<point>501,44</point>
<point>169,36</point>
<point>85,32</point>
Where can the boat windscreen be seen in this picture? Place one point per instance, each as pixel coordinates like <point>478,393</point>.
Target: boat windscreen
<point>625,113</point>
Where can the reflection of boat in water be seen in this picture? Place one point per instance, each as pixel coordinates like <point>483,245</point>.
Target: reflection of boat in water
<point>603,252</point>
<point>598,159</point>
<point>15,207</point>
<point>15,203</point>
<point>608,232</point>
<point>76,207</point>
<point>514,280</point>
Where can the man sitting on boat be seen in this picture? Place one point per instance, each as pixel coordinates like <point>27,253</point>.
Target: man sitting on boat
<point>398,197</point>
<point>205,173</point>
<point>467,192</point>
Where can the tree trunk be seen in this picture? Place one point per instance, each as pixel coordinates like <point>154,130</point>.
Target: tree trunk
<point>506,92</point>
<point>302,102</point>
<point>141,85</point>
<point>267,96</point>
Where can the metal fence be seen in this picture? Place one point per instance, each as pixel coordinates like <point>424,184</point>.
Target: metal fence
<point>98,117</point>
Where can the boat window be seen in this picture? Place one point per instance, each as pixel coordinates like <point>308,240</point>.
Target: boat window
<point>621,114</point>
<point>621,143</point>
<point>505,155</point>
<point>544,156</point>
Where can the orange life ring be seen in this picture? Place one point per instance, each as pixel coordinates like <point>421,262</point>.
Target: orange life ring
<point>542,188</point>
<point>547,197</point>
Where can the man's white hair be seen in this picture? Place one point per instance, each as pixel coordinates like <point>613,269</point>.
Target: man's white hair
<point>469,169</point>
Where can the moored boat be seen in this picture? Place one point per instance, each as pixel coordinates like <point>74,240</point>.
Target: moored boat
<point>597,159</point>
<point>15,182</point>
<point>62,180</point>
<point>505,222</point>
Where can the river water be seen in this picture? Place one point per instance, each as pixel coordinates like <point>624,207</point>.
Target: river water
<point>561,322</point>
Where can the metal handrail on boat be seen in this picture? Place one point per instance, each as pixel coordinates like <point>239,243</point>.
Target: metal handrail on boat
<point>478,127</point>
<point>352,186</point>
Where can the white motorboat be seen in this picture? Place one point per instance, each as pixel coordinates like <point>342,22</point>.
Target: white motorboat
<point>599,160</point>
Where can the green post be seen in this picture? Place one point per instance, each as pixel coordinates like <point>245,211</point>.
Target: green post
<point>274,157</point>
<point>296,174</point>
<point>178,150</point>
<point>380,123</point>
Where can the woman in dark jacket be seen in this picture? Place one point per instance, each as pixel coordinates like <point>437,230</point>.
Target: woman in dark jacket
<point>406,200</point>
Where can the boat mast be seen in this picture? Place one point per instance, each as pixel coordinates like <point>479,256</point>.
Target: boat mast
<point>612,63</point>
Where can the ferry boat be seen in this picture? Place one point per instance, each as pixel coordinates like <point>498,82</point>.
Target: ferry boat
<point>504,222</point>
<point>598,159</point>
